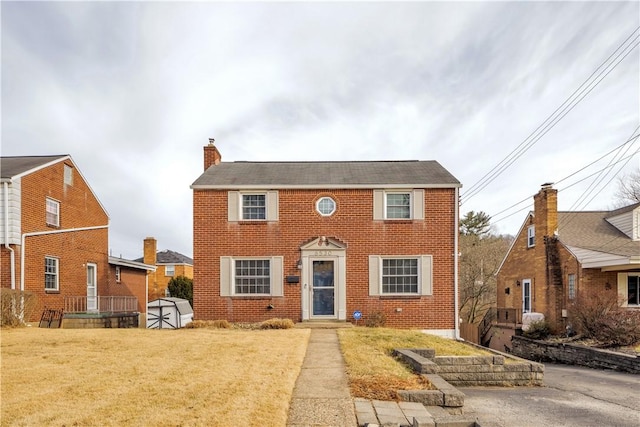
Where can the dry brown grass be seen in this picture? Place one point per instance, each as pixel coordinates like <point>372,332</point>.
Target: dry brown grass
<point>375,374</point>
<point>134,377</point>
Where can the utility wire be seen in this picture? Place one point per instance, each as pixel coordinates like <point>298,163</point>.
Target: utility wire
<point>588,85</point>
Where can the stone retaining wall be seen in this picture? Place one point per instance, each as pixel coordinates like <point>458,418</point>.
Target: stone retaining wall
<point>574,354</point>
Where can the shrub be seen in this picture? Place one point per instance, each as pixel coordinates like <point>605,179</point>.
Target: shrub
<point>181,287</point>
<point>538,330</point>
<point>376,319</point>
<point>16,306</point>
<point>276,323</point>
<point>600,317</point>
<point>217,324</point>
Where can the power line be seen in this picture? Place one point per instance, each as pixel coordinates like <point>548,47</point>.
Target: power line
<point>579,94</point>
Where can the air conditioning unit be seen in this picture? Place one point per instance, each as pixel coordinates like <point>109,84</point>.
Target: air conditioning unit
<point>564,312</point>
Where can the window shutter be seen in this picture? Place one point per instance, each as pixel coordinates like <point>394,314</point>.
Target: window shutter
<point>272,206</point>
<point>226,265</point>
<point>426,275</point>
<point>233,206</point>
<point>378,205</point>
<point>623,289</point>
<point>374,275</point>
<point>276,276</point>
<point>418,204</point>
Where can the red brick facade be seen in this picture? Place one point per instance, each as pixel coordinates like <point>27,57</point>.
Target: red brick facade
<point>353,226</point>
<point>81,238</point>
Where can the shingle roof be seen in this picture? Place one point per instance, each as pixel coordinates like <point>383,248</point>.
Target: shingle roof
<point>16,165</point>
<point>590,230</point>
<point>169,257</point>
<point>326,174</point>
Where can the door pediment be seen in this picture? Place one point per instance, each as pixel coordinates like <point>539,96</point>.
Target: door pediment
<point>323,243</point>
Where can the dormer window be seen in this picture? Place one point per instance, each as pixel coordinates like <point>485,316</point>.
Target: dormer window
<point>531,236</point>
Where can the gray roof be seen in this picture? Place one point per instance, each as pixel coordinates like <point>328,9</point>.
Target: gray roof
<point>130,264</point>
<point>169,257</point>
<point>590,230</point>
<point>360,174</point>
<point>16,165</point>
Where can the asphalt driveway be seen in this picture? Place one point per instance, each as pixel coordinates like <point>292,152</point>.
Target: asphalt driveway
<point>572,396</point>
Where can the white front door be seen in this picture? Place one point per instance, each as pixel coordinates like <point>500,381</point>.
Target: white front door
<point>323,301</point>
<point>92,292</point>
<point>526,296</point>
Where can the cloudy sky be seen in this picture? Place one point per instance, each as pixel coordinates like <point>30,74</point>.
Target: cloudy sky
<point>133,91</point>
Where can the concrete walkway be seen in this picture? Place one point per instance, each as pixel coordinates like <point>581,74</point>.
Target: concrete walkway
<point>321,396</point>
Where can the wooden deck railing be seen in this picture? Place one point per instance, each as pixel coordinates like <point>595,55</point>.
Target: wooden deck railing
<point>100,304</point>
<point>509,316</point>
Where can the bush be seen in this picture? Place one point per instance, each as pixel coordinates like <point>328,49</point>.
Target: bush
<point>217,324</point>
<point>538,330</point>
<point>600,317</point>
<point>16,306</point>
<point>376,319</point>
<point>181,287</point>
<point>276,323</point>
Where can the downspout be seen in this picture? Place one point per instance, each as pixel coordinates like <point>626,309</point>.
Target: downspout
<point>12,254</point>
<point>42,233</point>
<point>456,255</point>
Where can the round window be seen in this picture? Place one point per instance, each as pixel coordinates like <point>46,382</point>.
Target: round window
<point>326,206</point>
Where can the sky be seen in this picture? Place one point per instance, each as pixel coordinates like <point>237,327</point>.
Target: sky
<point>134,90</point>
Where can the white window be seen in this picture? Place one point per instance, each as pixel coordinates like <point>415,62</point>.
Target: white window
<point>118,276</point>
<point>326,206</point>
<point>400,275</point>
<point>252,206</point>
<point>51,282</point>
<point>53,212</point>
<point>526,296</point>
<point>633,290</point>
<point>68,175</point>
<point>531,236</point>
<point>572,286</point>
<point>169,270</point>
<point>398,204</point>
<point>251,276</point>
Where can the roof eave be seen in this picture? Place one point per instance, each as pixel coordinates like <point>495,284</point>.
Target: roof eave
<point>318,186</point>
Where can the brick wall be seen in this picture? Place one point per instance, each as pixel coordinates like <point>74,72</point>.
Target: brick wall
<point>132,283</point>
<point>78,208</point>
<point>352,224</point>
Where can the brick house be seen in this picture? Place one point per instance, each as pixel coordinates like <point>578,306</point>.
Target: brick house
<point>323,240</point>
<point>557,256</point>
<point>130,278</point>
<point>54,231</point>
<point>169,264</point>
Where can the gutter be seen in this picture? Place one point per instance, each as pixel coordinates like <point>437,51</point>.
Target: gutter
<point>12,253</point>
<point>42,233</point>
<point>456,256</point>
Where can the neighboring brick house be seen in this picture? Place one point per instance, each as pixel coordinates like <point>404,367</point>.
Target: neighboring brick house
<point>130,278</point>
<point>54,231</point>
<point>169,264</point>
<point>323,240</point>
<point>558,256</point>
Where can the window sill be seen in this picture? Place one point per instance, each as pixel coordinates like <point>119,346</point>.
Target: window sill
<point>51,291</point>
<point>383,297</point>
<point>399,221</point>
<point>252,297</point>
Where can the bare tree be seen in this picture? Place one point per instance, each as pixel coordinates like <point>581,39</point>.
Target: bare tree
<point>628,191</point>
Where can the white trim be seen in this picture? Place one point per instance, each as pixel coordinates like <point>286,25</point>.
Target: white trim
<point>531,236</point>
<point>456,256</point>
<point>444,333</point>
<point>57,273</point>
<point>329,198</point>
<point>228,276</point>
<point>319,186</point>
<point>12,254</point>
<point>530,282</point>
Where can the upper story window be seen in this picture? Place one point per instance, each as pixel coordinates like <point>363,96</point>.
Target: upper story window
<point>531,236</point>
<point>52,212</point>
<point>68,175</point>
<point>254,206</point>
<point>169,270</point>
<point>326,206</point>
<point>398,205</point>
<point>51,282</point>
<point>118,274</point>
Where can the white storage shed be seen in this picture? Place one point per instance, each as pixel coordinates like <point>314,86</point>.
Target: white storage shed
<point>169,313</point>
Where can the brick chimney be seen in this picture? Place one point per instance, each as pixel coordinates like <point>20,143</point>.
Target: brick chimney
<point>211,154</point>
<point>545,205</point>
<point>150,251</point>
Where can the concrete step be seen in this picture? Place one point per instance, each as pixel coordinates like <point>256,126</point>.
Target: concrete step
<point>323,324</point>
<point>376,413</point>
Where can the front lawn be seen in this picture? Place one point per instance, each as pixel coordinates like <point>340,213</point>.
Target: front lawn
<point>135,377</point>
<point>375,374</point>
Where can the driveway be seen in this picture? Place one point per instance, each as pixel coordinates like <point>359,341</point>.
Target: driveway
<point>572,396</point>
